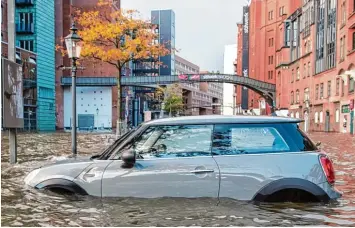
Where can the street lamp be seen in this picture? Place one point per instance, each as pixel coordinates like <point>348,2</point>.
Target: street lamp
<point>73,45</point>
<point>97,113</point>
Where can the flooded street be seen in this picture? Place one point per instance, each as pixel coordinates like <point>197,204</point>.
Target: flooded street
<point>21,206</point>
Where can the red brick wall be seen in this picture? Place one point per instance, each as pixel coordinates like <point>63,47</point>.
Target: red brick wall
<point>92,69</point>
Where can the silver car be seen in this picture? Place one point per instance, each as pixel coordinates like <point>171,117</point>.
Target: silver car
<point>257,158</point>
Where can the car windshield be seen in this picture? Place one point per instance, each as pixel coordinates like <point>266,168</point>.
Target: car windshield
<point>107,152</point>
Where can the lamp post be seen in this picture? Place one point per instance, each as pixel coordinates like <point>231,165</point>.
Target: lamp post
<point>97,122</point>
<point>73,45</point>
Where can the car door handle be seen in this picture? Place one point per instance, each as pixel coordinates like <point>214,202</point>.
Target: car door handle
<point>202,171</point>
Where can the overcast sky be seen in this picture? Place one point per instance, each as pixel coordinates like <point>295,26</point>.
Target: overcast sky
<point>202,27</point>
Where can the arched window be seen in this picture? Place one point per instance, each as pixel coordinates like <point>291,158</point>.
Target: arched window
<point>321,117</point>
<point>297,96</point>
<point>292,98</point>
<point>297,115</point>
<point>337,116</point>
<point>298,73</point>
<point>292,115</point>
<point>316,117</point>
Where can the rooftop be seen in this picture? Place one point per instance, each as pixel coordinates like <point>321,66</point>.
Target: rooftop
<point>213,119</point>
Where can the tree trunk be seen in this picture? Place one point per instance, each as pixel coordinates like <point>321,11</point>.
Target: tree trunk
<point>119,102</point>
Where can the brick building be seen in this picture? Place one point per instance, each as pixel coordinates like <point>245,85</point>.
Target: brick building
<point>96,84</point>
<point>308,52</point>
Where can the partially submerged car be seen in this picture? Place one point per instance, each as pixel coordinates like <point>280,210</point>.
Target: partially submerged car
<point>259,158</point>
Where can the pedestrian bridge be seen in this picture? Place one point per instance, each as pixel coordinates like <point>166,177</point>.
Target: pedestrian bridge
<point>267,90</point>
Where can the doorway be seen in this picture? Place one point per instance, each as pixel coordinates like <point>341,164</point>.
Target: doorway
<point>327,121</point>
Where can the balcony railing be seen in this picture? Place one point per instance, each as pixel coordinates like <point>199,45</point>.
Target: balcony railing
<point>24,2</point>
<point>25,28</point>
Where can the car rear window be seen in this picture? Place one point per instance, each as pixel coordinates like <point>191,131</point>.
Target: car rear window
<point>230,139</point>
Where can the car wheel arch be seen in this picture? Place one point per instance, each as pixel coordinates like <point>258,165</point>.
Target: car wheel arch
<point>59,183</point>
<point>288,184</point>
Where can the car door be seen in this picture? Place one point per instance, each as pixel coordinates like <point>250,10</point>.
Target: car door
<point>248,156</point>
<point>172,161</point>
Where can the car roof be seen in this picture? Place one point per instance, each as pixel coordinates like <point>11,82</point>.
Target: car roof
<point>220,119</point>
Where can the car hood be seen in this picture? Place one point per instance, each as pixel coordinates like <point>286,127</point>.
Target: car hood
<point>67,169</point>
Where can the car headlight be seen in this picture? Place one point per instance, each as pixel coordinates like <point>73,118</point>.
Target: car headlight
<point>31,175</point>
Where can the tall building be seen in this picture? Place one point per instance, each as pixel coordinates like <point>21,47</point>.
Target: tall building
<point>199,98</point>
<point>165,21</point>
<point>230,52</point>
<point>310,54</point>
<point>96,83</point>
<point>35,41</point>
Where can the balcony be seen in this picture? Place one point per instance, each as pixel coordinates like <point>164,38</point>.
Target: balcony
<point>24,2</point>
<point>29,83</point>
<point>29,102</point>
<point>25,28</point>
<point>146,71</point>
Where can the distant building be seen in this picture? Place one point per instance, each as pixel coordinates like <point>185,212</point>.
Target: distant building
<point>199,98</point>
<point>35,43</point>
<point>230,54</point>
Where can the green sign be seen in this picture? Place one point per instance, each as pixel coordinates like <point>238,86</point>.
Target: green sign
<point>345,109</point>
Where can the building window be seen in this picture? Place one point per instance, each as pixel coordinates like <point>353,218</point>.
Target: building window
<point>351,84</point>
<point>292,75</point>
<point>353,46</point>
<point>317,91</point>
<point>304,70</point>
<point>297,96</point>
<point>25,21</point>
<point>295,48</point>
<point>342,40</point>
<point>329,88</point>
<point>292,98</point>
<point>271,15</point>
<point>316,117</point>
<point>297,115</point>
<point>281,10</point>
<point>306,94</point>
<point>26,44</point>
<point>320,37</point>
<point>309,69</point>
<point>337,87</point>
<point>337,116</point>
<point>287,34</point>
<point>342,88</point>
<point>321,117</point>
<point>331,34</point>
<point>298,73</point>
<point>343,14</point>
<point>321,91</point>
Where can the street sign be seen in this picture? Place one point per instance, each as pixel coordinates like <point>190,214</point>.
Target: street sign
<point>12,97</point>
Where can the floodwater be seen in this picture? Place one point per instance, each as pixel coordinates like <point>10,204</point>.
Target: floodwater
<point>22,206</point>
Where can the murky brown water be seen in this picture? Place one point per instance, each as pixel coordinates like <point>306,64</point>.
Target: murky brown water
<point>21,206</point>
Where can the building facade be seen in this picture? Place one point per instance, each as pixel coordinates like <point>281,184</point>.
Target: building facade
<point>199,98</point>
<point>35,51</point>
<point>310,54</point>
<point>96,83</point>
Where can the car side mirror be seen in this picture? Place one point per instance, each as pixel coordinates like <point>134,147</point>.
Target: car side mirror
<point>129,159</point>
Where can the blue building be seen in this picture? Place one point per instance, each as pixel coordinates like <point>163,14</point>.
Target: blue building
<point>165,22</point>
<point>35,31</point>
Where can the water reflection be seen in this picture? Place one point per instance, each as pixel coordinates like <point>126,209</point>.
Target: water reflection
<point>22,206</point>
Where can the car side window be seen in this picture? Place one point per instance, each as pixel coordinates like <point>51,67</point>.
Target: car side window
<point>174,141</point>
<point>234,139</point>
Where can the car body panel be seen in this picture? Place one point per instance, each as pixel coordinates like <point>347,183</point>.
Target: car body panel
<point>67,170</point>
<point>168,177</point>
<point>242,176</point>
<point>90,178</point>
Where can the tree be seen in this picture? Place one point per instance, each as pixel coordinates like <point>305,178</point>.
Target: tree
<point>171,96</point>
<point>118,37</point>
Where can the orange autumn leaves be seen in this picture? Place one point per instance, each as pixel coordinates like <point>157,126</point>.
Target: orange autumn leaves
<point>117,36</point>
